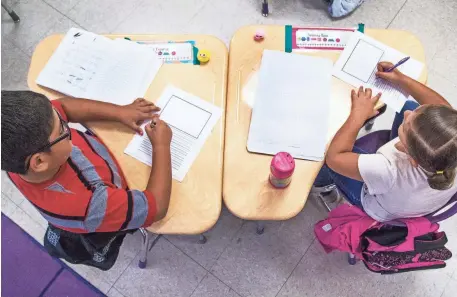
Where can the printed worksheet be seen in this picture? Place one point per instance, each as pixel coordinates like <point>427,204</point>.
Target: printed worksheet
<point>190,118</point>
<point>357,66</point>
<point>91,66</point>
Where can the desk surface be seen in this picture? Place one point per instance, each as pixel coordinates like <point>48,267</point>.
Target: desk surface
<point>195,204</point>
<point>246,190</point>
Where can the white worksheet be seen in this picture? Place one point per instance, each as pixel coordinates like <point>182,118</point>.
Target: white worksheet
<point>291,106</point>
<point>190,118</point>
<point>357,66</point>
<point>91,66</point>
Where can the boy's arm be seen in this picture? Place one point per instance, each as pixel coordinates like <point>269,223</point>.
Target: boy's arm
<point>132,115</point>
<point>419,91</point>
<point>159,183</point>
<point>340,157</point>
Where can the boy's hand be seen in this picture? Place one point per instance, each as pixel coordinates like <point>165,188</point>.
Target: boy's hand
<point>363,105</point>
<point>159,133</point>
<point>394,77</point>
<point>134,114</point>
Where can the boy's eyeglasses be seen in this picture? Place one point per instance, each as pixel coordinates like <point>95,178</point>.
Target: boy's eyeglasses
<point>64,133</point>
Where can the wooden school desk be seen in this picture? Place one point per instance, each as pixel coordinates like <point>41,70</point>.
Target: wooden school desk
<point>246,190</point>
<point>196,202</point>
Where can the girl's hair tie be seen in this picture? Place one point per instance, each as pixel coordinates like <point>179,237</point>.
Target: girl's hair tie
<point>440,172</point>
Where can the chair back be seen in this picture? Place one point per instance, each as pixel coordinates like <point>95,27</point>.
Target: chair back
<point>436,216</point>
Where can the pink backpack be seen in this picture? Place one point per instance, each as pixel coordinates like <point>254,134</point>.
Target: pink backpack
<point>411,244</point>
<point>391,249</point>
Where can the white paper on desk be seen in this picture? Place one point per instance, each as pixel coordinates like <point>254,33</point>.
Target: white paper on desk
<point>190,118</point>
<point>357,66</point>
<point>91,66</point>
<point>292,105</point>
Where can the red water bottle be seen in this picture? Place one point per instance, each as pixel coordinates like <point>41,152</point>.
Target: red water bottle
<point>281,169</point>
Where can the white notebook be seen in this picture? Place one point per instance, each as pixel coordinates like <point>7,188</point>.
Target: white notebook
<point>292,106</point>
<point>91,66</point>
<point>357,66</point>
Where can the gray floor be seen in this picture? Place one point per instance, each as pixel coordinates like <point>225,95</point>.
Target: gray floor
<point>285,260</point>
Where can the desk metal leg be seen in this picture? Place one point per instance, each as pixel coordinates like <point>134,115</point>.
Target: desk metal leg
<point>202,239</point>
<point>260,227</point>
<point>144,249</point>
<point>351,259</point>
<point>265,10</point>
<point>11,12</point>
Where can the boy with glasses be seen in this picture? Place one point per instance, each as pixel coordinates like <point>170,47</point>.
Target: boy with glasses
<point>73,179</point>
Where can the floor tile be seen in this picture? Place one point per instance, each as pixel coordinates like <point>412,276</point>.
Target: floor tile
<point>319,274</point>
<point>445,60</point>
<point>36,19</point>
<point>424,26</point>
<point>450,289</point>
<point>9,189</point>
<point>297,232</point>
<point>169,272</point>
<point>114,293</point>
<point>103,16</point>
<point>212,287</point>
<point>129,250</point>
<point>62,6</point>
<point>374,14</point>
<point>15,67</point>
<point>60,27</point>
<point>28,224</point>
<point>443,86</point>
<point>244,12</point>
<point>8,206</point>
<point>258,265</point>
<point>443,11</point>
<point>218,238</point>
<point>148,17</point>
<point>29,209</point>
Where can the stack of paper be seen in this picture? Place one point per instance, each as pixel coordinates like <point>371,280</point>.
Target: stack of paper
<point>291,107</point>
<point>190,118</point>
<point>357,66</point>
<point>91,66</point>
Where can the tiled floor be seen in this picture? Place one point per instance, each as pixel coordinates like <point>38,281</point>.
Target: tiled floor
<point>285,260</point>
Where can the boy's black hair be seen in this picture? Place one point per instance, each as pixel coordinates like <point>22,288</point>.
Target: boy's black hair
<point>27,123</point>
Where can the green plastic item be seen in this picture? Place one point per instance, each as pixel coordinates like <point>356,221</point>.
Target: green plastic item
<point>288,39</point>
<point>361,28</point>
<point>196,61</point>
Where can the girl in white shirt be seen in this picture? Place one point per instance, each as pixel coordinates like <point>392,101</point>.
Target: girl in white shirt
<point>411,175</point>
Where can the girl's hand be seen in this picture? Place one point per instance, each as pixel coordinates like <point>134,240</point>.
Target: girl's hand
<point>363,105</point>
<point>394,77</point>
<point>136,113</point>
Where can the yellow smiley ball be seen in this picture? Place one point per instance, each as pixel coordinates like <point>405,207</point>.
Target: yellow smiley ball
<point>203,56</point>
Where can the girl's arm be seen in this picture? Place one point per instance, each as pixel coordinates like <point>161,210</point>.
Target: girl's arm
<point>340,157</point>
<point>419,91</point>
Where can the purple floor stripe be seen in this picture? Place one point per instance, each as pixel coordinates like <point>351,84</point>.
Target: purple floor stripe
<point>28,270</point>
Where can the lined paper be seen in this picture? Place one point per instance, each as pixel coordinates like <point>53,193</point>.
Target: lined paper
<point>191,120</point>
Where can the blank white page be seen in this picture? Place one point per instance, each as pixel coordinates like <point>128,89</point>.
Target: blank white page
<point>292,105</point>
<point>363,60</point>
